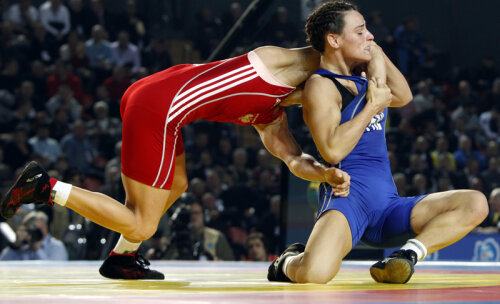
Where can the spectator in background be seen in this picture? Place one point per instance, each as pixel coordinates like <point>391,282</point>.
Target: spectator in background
<point>213,244</point>
<point>68,49</point>
<point>38,78</point>
<point>224,152</point>
<point>239,167</point>
<point>55,18</point>
<point>99,49</point>
<point>26,94</point>
<point>22,15</point>
<point>492,223</point>
<point>214,182</point>
<point>486,73</point>
<point>491,176</point>
<point>400,182</point>
<point>34,241</point>
<point>156,56</point>
<point>131,23</point>
<point>269,223</point>
<point>421,148</point>
<point>17,151</point>
<point>490,122</point>
<point>197,187</point>
<point>61,76</point>
<point>125,53</point>
<point>65,101</point>
<point>203,243</point>
<point>104,131</point>
<point>442,149</point>
<point>5,170</point>
<point>465,96</point>
<point>264,162</point>
<point>208,32</point>
<point>45,146</point>
<point>99,15</point>
<point>41,48</point>
<point>380,31</point>
<point>230,17</point>
<point>424,99</point>
<point>257,248</point>
<point>60,124</point>
<point>280,30</point>
<point>77,147</point>
<point>205,163</point>
<point>409,47</point>
<point>118,83</point>
<point>491,96</point>
<point>419,185</point>
<point>10,78</point>
<point>79,16</point>
<point>465,152</point>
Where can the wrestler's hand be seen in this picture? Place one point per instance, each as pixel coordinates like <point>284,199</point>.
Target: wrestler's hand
<point>378,96</point>
<point>339,180</point>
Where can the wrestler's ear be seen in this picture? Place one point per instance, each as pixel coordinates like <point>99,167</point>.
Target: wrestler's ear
<point>333,40</point>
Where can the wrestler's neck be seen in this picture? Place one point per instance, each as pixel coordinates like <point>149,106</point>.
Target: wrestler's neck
<point>335,62</point>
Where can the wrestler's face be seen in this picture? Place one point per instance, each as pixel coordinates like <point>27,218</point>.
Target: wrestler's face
<point>355,40</point>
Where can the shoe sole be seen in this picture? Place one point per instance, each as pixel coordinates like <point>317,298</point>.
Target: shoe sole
<point>396,271</point>
<point>9,212</point>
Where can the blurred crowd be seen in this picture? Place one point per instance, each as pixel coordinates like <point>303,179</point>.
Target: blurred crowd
<point>64,66</point>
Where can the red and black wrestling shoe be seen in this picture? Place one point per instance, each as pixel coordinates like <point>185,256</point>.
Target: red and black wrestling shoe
<point>32,186</point>
<point>397,268</point>
<point>128,266</point>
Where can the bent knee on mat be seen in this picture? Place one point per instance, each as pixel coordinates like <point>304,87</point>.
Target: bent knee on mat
<point>319,271</point>
<point>318,276</point>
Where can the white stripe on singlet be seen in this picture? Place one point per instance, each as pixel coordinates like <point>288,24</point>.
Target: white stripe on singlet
<point>214,100</point>
<point>166,123</point>
<point>211,93</point>
<point>180,102</point>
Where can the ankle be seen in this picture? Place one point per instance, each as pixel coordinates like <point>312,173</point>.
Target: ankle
<point>60,191</point>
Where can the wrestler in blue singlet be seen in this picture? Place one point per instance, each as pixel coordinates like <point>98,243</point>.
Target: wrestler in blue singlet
<point>375,212</point>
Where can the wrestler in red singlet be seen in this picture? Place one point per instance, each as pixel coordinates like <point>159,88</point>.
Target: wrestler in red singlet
<point>239,90</point>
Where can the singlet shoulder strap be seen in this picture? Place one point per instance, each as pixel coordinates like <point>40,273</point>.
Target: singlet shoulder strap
<point>347,96</point>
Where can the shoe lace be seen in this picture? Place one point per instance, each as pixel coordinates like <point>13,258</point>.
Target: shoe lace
<point>141,261</point>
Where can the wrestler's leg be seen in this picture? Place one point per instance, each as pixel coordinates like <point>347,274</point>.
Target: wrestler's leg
<point>439,219</point>
<point>136,220</point>
<point>329,243</point>
<point>442,218</point>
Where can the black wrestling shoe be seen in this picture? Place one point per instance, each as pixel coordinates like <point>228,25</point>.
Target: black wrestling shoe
<point>128,267</point>
<point>275,271</point>
<point>32,186</point>
<point>397,268</point>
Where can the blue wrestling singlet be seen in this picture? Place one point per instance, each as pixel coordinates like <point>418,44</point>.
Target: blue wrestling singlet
<point>376,214</point>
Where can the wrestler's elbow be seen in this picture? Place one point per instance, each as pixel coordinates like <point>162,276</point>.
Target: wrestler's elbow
<point>331,156</point>
<point>401,99</point>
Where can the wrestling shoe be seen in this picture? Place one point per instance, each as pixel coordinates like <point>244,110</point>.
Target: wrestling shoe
<point>32,186</point>
<point>275,271</point>
<point>397,268</point>
<point>128,267</point>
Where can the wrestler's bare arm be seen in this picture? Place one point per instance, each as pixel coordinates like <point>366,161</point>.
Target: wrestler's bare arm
<point>383,70</point>
<point>290,66</point>
<point>279,141</point>
<point>321,107</point>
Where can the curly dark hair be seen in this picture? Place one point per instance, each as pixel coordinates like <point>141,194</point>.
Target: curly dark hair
<point>328,17</point>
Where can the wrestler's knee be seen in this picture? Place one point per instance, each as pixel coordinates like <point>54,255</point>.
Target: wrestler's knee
<point>316,271</point>
<point>476,206</point>
<point>144,232</point>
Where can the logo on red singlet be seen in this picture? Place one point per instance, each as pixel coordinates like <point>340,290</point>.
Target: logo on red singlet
<point>249,118</point>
